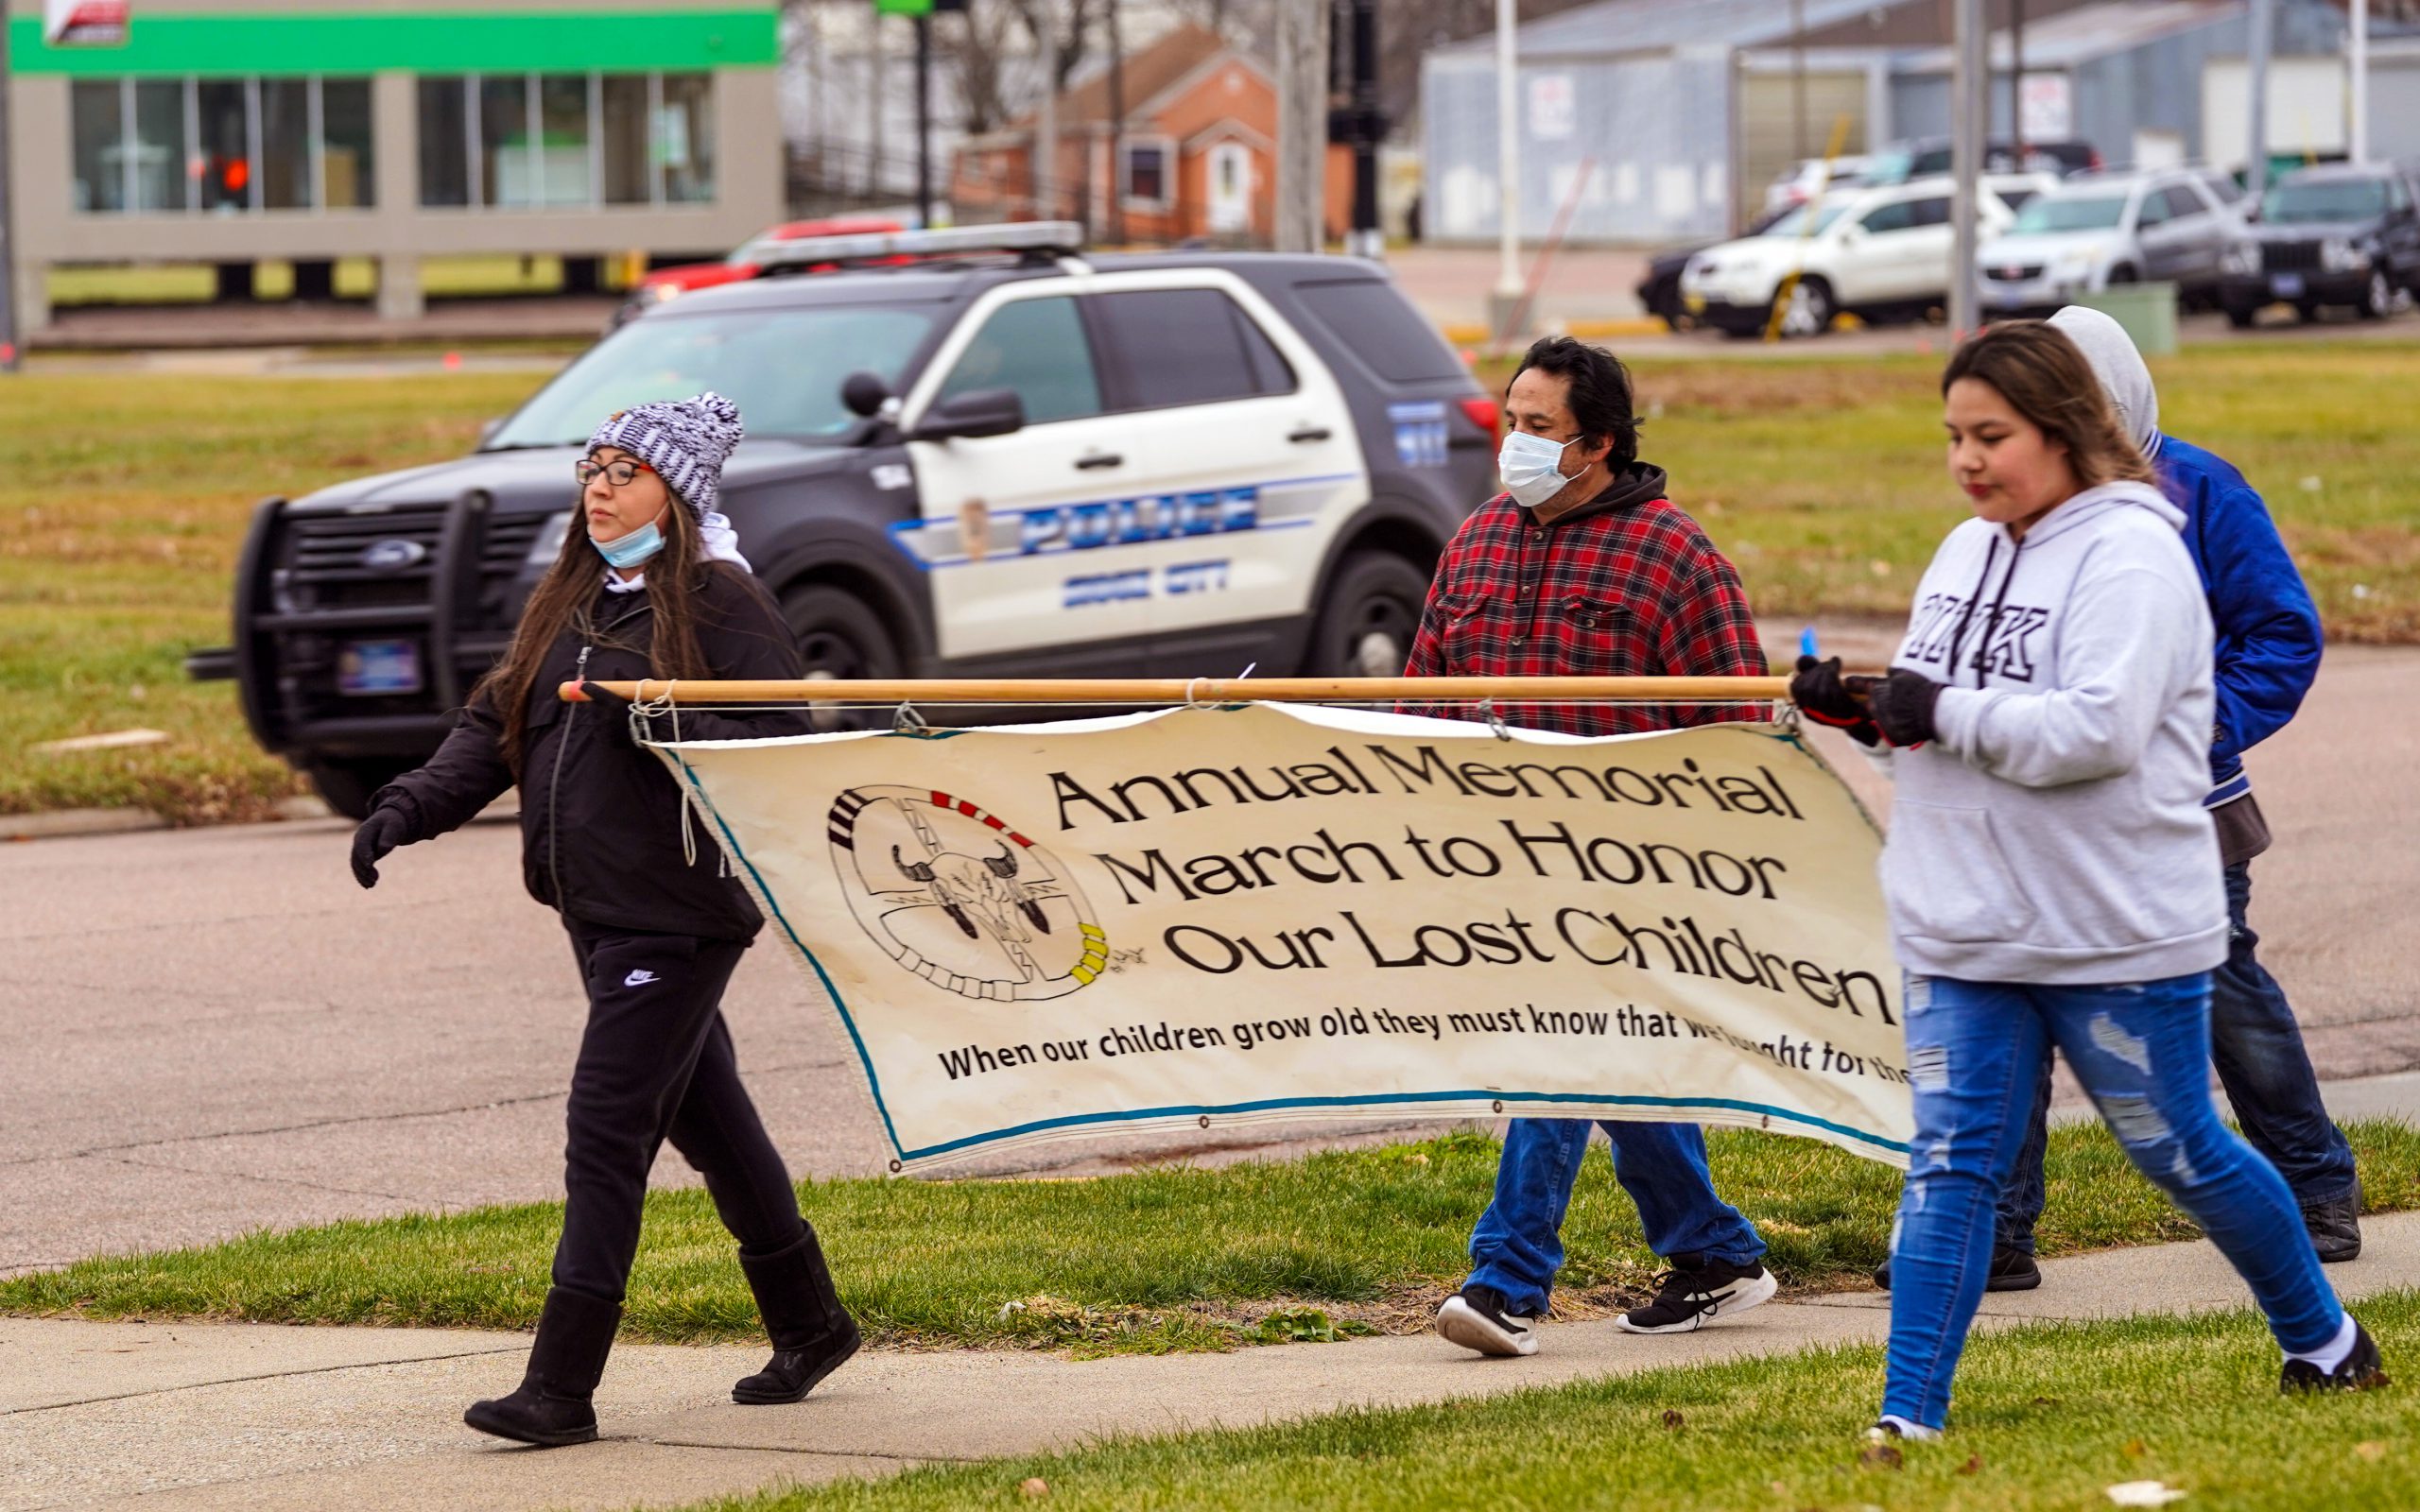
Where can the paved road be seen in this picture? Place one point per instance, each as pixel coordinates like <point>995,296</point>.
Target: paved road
<point>212,1030</point>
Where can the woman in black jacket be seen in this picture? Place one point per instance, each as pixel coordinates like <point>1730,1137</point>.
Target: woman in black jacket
<point>656,921</point>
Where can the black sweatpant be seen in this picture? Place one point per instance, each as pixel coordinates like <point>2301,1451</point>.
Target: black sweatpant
<point>656,1063</point>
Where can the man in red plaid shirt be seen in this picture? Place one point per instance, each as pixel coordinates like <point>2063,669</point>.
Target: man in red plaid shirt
<point>1584,568</point>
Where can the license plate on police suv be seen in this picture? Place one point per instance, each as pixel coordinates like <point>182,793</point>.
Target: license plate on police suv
<point>372,667</point>
<point>2285,285</point>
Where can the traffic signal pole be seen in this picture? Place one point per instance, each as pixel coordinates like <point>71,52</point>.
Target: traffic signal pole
<point>924,121</point>
<point>11,358</point>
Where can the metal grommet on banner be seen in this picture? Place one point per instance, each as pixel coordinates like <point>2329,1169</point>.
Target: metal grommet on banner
<point>1499,1105</point>
<point>1495,721</point>
<point>905,720</point>
<point>1205,1121</point>
<point>894,1168</point>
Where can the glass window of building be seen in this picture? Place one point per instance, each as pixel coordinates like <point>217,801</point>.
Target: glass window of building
<point>348,167</point>
<point>684,141</point>
<point>444,143</point>
<point>157,153</point>
<point>224,149</point>
<point>96,114</point>
<point>508,177</point>
<point>624,128</point>
<point>285,144</point>
<point>562,140</point>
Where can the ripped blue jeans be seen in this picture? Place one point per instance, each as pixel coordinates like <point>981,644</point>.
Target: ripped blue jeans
<point>2142,1051</point>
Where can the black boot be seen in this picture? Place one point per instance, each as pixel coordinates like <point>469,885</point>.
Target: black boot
<point>812,1333</point>
<point>551,1408</point>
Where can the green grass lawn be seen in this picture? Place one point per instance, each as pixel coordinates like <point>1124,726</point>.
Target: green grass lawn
<point>124,504</point>
<point>1162,1259</point>
<point>2047,1416</point>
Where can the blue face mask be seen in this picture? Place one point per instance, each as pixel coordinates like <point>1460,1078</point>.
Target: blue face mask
<point>632,549</point>
<point>1532,467</point>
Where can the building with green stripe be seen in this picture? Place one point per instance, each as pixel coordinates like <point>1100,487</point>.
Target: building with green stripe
<point>230,131</point>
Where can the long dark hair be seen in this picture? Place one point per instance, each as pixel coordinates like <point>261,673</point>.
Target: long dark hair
<point>562,597</point>
<point>2045,378</point>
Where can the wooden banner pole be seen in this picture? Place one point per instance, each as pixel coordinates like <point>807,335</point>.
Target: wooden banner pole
<point>1206,690</point>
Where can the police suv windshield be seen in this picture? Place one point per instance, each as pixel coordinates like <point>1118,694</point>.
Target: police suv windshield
<point>2055,213</point>
<point>782,368</point>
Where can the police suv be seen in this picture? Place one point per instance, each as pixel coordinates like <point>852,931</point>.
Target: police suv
<point>971,453</point>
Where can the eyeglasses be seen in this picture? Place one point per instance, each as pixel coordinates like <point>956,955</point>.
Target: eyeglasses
<point>619,471</point>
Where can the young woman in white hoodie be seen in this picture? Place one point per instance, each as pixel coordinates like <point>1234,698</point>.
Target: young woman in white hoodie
<point>2051,875</point>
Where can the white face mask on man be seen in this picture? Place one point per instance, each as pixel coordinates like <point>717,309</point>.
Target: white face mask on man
<point>1532,467</point>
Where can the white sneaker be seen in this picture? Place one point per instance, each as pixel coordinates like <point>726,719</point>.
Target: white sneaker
<point>1474,1317</point>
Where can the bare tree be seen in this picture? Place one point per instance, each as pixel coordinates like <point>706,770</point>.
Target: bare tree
<point>977,50</point>
<point>1068,24</point>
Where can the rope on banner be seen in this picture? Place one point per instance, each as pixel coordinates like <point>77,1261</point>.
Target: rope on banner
<point>1199,692</point>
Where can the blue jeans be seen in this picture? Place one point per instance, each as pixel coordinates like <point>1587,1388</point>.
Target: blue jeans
<point>2142,1050</point>
<point>1518,1244</point>
<point>2262,1064</point>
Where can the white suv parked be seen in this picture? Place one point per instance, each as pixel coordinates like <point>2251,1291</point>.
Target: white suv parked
<point>1878,253</point>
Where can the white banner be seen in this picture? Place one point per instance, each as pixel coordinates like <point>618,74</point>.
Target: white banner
<point>1213,916</point>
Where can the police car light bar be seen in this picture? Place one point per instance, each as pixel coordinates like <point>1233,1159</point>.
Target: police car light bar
<point>1035,236</point>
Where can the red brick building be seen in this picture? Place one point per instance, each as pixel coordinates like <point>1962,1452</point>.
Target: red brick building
<point>1197,158</point>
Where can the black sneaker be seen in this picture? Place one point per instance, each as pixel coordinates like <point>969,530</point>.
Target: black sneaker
<point>1474,1317</point>
<point>2336,1227</point>
<point>2012,1270</point>
<point>2363,1371</point>
<point>1695,1290</point>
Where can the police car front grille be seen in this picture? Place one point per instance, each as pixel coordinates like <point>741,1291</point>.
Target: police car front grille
<point>324,566</point>
<point>2014,273</point>
<point>2289,257</point>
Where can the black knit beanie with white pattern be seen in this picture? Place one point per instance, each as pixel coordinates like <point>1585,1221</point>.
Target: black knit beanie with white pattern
<point>685,440</point>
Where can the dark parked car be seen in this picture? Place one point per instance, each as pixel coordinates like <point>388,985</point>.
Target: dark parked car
<point>1659,292</point>
<point>1002,458</point>
<point>2333,235</point>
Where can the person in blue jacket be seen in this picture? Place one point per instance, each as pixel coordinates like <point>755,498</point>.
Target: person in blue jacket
<point>2265,657</point>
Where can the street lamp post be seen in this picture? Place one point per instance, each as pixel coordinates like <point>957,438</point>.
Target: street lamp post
<point>1507,177</point>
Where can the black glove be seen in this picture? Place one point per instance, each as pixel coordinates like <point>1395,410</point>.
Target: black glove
<point>605,698</point>
<point>388,827</point>
<point>1902,705</point>
<point>1828,698</point>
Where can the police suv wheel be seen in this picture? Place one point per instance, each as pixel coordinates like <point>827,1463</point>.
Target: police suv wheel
<point>1371,612</point>
<point>839,637</point>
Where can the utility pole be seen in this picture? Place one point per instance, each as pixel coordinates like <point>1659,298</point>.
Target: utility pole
<point>1042,171</point>
<point>1507,298</point>
<point>2359,139</point>
<point>879,99</point>
<point>924,121</point>
<point>1117,130</point>
<point>1303,27</point>
<point>11,358</point>
<point>1369,125</point>
<point>2015,80</point>
<point>1969,97</point>
<point>2255,170</point>
<point>1797,81</point>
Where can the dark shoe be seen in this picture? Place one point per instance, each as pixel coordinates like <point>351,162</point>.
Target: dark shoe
<point>2363,1371</point>
<point>1696,1290</point>
<point>790,1374</point>
<point>2012,1270</point>
<point>812,1334</point>
<point>2336,1227</point>
<point>551,1408</point>
<point>1478,1318</point>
